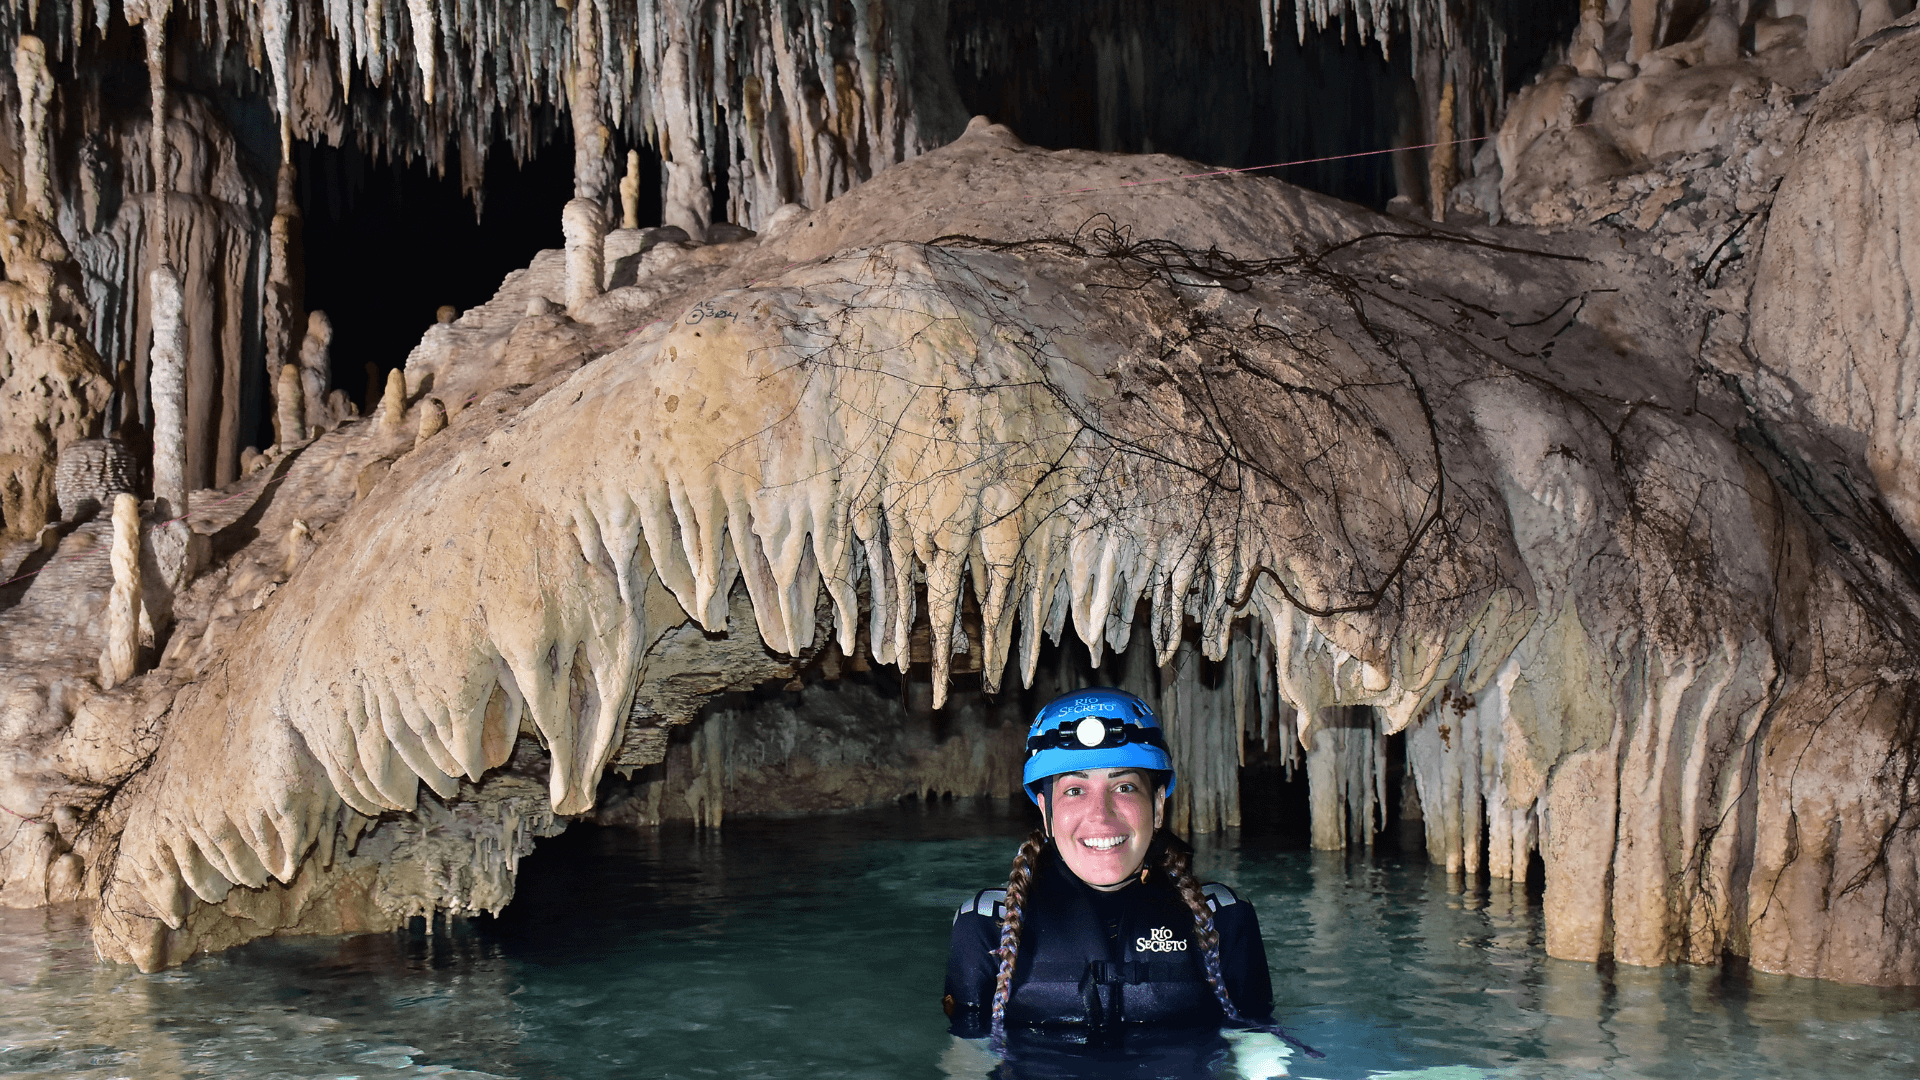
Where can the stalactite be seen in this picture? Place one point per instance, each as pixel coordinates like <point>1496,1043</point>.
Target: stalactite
<point>276,17</point>
<point>35,84</point>
<point>707,795</point>
<point>155,31</point>
<point>426,44</point>
<point>124,603</point>
<point>590,135</point>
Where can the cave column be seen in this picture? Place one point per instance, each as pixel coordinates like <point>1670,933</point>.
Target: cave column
<point>687,200</point>
<point>167,358</point>
<point>584,221</point>
<point>1344,770</point>
<point>282,302</point>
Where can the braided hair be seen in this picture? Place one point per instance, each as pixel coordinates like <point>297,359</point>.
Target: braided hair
<point>1018,881</point>
<point>1176,862</point>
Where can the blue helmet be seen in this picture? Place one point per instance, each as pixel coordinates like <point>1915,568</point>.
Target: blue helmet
<point>1096,728</point>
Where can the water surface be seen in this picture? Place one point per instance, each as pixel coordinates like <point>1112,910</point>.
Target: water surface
<point>814,947</point>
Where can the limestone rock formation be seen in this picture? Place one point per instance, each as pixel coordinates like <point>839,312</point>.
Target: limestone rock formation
<point>90,473</point>
<point>1833,303</point>
<point>1607,517</point>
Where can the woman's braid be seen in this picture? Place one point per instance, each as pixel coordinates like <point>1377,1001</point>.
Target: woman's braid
<point>1178,867</point>
<point>1017,882</point>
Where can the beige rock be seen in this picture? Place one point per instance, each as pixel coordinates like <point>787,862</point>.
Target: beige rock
<point>290,418</point>
<point>316,371</point>
<point>90,472</point>
<point>630,192</point>
<point>1656,116</point>
<point>168,365</point>
<point>585,227</point>
<point>1832,26</point>
<point>35,84</point>
<point>433,418</point>
<point>119,659</point>
<point>1832,305</point>
<point>393,404</point>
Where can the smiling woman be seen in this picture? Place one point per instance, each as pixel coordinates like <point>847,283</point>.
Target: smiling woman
<point>1102,931</point>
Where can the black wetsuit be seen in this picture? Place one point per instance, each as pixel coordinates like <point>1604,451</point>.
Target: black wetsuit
<point>1103,962</point>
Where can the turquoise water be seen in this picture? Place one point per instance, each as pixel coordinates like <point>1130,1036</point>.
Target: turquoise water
<point>814,947</point>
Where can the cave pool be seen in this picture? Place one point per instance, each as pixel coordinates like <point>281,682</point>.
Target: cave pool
<point>813,947</point>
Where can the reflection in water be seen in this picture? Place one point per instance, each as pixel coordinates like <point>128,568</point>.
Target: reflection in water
<point>814,947</point>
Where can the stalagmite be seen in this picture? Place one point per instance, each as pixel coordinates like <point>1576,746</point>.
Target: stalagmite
<point>290,418</point>
<point>1440,166</point>
<point>168,368</point>
<point>35,85</point>
<point>1875,16</point>
<point>433,418</point>
<point>584,225</point>
<point>299,544</point>
<point>630,192</point>
<point>315,369</point>
<point>1831,27</point>
<point>124,603</point>
<point>393,405</point>
<point>1588,41</point>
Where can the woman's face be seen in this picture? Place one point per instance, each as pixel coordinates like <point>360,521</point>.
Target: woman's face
<point>1102,820</point>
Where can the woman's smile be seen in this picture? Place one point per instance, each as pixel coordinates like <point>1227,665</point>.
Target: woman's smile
<point>1103,821</point>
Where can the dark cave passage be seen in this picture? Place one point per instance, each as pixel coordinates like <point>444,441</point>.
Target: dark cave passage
<point>1195,80</point>
<point>386,243</point>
